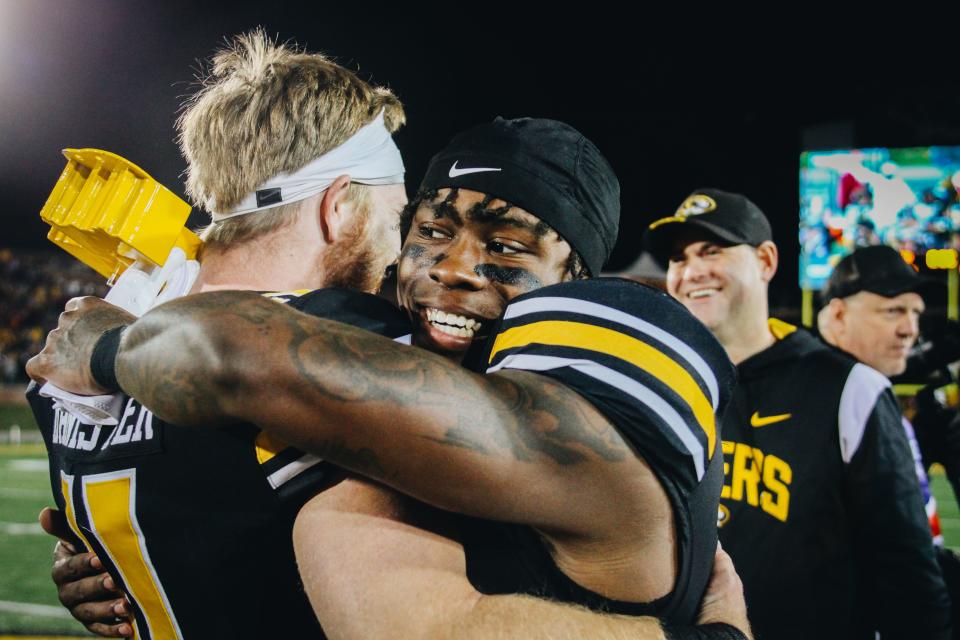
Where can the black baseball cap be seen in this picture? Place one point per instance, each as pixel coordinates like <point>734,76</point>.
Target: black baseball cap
<point>544,166</point>
<point>730,217</point>
<point>878,269</point>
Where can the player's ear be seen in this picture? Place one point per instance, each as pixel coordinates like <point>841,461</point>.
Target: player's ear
<point>334,216</point>
<point>769,258</point>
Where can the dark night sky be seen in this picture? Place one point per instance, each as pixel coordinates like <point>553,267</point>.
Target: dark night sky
<point>673,105</point>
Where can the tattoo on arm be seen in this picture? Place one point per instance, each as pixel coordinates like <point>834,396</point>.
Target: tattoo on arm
<point>174,360</point>
<point>560,428</point>
<point>529,413</point>
<point>168,359</point>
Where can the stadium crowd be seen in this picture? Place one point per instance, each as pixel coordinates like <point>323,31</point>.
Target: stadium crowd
<point>34,286</point>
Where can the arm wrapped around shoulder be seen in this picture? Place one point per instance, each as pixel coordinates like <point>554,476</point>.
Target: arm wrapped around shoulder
<point>192,359</point>
<point>637,355</point>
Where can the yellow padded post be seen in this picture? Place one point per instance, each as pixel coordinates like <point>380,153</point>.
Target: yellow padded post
<point>105,210</point>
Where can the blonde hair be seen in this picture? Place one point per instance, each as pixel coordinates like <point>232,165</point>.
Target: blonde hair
<point>267,108</point>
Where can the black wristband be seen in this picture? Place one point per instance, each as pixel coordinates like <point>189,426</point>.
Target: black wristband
<point>712,631</point>
<point>103,360</point>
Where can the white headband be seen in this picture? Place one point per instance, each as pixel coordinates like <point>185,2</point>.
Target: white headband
<point>369,157</point>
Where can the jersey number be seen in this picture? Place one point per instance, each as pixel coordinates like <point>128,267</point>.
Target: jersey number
<point>103,508</point>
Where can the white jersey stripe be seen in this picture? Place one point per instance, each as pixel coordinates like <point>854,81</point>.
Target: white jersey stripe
<point>860,394</point>
<point>628,385</point>
<point>289,471</point>
<point>570,305</point>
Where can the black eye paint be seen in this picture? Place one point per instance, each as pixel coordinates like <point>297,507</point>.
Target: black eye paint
<point>440,257</point>
<point>414,251</point>
<point>417,254</point>
<point>511,276</point>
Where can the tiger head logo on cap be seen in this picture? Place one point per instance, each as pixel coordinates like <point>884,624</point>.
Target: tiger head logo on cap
<point>733,219</point>
<point>696,205</point>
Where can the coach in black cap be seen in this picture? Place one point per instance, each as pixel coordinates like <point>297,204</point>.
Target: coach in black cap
<point>872,306</point>
<point>878,269</point>
<point>720,257</point>
<point>820,508</point>
<point>730,218</point>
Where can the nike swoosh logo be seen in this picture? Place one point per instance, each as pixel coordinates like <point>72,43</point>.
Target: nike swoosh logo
<point>757,421</point>
<point>454,171</point>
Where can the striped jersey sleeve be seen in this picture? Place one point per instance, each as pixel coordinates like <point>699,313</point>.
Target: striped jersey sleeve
<point>637,355</point>
<point>292,473</point>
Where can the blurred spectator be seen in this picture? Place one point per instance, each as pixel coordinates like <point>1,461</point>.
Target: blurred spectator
<point>34,286</point>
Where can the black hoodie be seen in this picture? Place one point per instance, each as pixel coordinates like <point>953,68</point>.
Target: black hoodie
<point>821,508</point>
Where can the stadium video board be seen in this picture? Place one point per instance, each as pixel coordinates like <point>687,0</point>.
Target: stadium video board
<point>906,198</point>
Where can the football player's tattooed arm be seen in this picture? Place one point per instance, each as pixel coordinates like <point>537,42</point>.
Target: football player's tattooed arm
<point>376,564</point>
<point>408,418</point>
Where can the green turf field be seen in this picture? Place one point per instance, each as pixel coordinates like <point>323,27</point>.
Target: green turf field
<point>28,602</point>
<point>18,419</point>
<point>947,506</point>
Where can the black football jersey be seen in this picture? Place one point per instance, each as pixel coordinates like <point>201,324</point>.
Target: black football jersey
<point>820,508</point>
<point>195,524</point>
<point>660,378</point>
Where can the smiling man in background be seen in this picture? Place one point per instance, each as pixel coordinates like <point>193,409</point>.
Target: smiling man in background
<point>820,510</point>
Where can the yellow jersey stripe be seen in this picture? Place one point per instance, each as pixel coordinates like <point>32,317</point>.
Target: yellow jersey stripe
<point>618,345</point>
<point>609,314</point>
<point>294,292</point>
<point>110,499</point>
<point>66,488</point>
<point>268,446</point>
<point>779,328</point>
<point>652,400</point>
